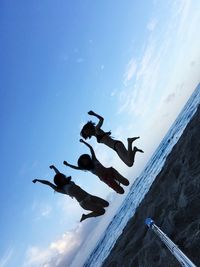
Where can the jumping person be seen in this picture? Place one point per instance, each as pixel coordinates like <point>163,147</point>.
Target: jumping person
<point>126,155</point>
<point>64,185</point>
<point>110,176</point>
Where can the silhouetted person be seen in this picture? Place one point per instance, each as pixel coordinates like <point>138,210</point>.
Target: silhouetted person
<point>110,176</point>
<point>64,185</point>
<point>126,155</point>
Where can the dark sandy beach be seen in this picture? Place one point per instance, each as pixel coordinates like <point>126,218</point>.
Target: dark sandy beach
<point>173,201</point>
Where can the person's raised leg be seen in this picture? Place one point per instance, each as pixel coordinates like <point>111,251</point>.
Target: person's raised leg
<point>124,154</point>
<point>135,149</point>
<point>131,154</point>
<point>132,139</point>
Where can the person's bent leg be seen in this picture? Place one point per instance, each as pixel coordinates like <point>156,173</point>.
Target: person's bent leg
<point>119,189</point>
<point>132,139</point>
<point>115,186</point>
<point>131,155</point>
<point>117,176</point>
<point>100,201</point>
<point>135,149</point>
<point>111,182</point>
<point>96,213</point>
<point>124,154</point>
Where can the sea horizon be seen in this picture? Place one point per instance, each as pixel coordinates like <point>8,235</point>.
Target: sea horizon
<point>142,183</point>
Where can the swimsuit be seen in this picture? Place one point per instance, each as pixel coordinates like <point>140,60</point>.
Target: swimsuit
<point>105,174</point>
<point>67,189</point>
<point>101,136</point>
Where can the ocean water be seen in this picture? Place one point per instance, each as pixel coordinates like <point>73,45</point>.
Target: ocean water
<point>142,184</point>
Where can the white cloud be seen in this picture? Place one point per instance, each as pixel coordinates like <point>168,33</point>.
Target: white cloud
<point>164,81</point>
<point>42,210</point>
<point>160,88</point>
<point>60,252</point>
<point>152,24</point>
<point>137,98</point>
<point>145,63</point>
<point>46,211</point>
<point>4,260</point>
<point>113,93</point>
<point>161,85</point>
<point>170,98</point>
<point>130,71</point>
<point>181,10</point>
<point>164,62</point>
<point>36,256</point>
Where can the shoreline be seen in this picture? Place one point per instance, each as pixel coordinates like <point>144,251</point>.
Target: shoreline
<point>173,203</point>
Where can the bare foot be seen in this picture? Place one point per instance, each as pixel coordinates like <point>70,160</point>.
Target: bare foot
<point>137,149</point>
<point>83,217</point>
<point>132,139</point>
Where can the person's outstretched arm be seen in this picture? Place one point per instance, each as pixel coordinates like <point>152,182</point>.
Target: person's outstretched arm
<point>101,119</point>
<point>46,183</point>
<point>90,147</point>
<point>54,168</point>
<point>71,166</point>
<point>49,184</point>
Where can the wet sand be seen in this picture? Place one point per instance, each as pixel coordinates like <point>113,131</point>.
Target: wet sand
<point>173,201</point>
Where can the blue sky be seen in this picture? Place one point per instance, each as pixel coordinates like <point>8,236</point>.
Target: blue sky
<point>135,62</point>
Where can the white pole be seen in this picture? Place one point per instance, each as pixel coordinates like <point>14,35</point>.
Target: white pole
<point>180,256</point>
